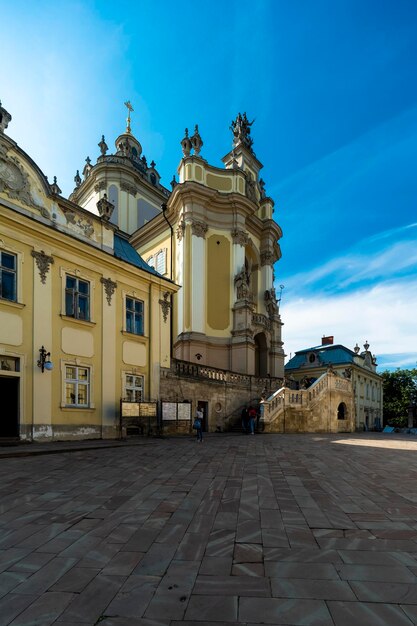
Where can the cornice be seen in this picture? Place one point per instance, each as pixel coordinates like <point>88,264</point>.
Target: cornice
<point>125,173</point>
<point>214,200</point>
<point>63,244</point>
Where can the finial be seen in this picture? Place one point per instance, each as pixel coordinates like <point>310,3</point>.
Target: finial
<point>196,141</point>
<point>366,345</point>
<point>55,188</point>
<point>186,144</point>
<point>240,128</point>
<point>103,146</point>
<point>129,109</point>
<point>173,182</point>
<point>105,208</point>
<point>77,179</point>
<point>87,167</point>
<point>5,118</point>
<point>356,348</point>
<point>153,164</point>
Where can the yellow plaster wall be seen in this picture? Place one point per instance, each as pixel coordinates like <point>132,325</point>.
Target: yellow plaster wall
<point>222,183</point>
<point>218,282</point>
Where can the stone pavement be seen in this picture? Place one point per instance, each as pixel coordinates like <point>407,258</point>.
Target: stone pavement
<point>301,530</point>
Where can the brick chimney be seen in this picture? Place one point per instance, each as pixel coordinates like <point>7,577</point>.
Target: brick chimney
<point>327,341</point>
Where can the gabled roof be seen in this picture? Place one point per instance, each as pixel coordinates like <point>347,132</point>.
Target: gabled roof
<point>326,355</point>
<point>124,251</point>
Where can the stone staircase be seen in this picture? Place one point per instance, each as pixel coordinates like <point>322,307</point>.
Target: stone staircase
<point>316,409</point>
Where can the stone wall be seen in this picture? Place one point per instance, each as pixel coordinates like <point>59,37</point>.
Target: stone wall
<point>226,393</point>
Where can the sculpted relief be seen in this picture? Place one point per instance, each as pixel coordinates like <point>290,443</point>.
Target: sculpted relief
<point>14,181</point>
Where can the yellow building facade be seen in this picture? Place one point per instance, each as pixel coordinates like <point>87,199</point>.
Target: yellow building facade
<point>74,293</point>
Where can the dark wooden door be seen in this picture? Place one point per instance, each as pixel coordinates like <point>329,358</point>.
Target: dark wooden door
<point>9,412</point>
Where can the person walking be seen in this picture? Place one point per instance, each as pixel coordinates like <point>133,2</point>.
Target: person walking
<point>252,418</point>
<point>198,424</point>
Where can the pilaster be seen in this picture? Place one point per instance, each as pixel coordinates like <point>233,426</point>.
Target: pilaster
<point>42,336</point>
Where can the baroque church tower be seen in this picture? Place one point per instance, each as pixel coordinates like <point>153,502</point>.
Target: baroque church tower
<point>213,234</point>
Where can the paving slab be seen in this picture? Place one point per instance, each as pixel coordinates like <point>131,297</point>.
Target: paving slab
<point>277,529</point>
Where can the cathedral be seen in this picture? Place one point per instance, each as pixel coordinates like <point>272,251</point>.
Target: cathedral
<point>139,294</point>
<point>128,306</point>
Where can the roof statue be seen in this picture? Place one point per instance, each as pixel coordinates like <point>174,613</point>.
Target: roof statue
<point>241,131</point>
<point>129,110</point>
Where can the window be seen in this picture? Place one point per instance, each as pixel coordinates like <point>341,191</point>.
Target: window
<point>161,262</point>
<point>77,386</point>
<point>133,388</point>
<point>134,316</point>
<point>77,298</point>
<point>8,264</point>
<point>158,261</point>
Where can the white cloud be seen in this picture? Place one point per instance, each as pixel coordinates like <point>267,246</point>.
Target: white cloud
<point>384,316</point>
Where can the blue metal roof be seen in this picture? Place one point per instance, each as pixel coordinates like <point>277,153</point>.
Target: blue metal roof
<point>126,252</point>
<point>326,355</point>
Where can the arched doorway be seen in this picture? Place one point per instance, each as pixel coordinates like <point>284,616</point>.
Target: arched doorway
<point>342,411</point>
<point>261,355</point>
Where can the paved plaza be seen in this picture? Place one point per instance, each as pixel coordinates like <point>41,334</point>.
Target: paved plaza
<point>271,529</point>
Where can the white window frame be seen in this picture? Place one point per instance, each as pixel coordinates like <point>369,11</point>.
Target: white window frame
<point>134,387</point>
<point>76,273</point>
<point>161,259</point>
<point>139,298</point>
<point>77,363</point>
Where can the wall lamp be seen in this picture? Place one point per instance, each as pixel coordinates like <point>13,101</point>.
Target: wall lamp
<point>44,361</point>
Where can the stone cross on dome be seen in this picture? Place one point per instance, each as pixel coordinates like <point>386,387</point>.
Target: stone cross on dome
<point>129,109</point>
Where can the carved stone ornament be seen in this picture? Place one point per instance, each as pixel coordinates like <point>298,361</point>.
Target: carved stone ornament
<point>180,230</point>
<point>165,306</point>
<point>84,225</point>
<point>271,303</point>
<point>109,287</point>
<point>242,282</point>
<point>250,187</point>
<point>43,261</point>
<point>199,229</point>
<point>129,188</point>
<point>105,208</point>
<point>15,182</point>
<point>100,186</point>
<point>267,258</point>
<point>240,237</point>
<point>240,128</point>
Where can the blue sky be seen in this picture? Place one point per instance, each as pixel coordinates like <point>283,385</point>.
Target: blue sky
<point>333,91</point>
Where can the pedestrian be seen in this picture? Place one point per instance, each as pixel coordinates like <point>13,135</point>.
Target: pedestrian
<point>252,418</point>
<point>245,419</point>
<point>198,424</point>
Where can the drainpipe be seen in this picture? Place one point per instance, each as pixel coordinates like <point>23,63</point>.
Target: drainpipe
<point>164,209</point>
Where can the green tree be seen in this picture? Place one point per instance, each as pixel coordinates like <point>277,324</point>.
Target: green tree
<point>400,391</point>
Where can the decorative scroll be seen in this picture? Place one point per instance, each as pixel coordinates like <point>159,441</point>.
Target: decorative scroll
<point>128,188</point>
<point>267,258</point>
<point>165,306</point>
<point>99,186</point>
<point>43,261</point>
<point>109,288</point>
<point>15,182</point>
<point>199,229</point>
<point>180,230</point>
<point>240,237</point>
